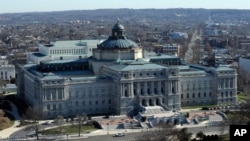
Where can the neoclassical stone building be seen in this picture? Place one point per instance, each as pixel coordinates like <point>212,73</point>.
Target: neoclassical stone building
<point>119,79</point>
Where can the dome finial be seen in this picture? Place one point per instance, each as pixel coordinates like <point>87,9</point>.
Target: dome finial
<point>118,20</point>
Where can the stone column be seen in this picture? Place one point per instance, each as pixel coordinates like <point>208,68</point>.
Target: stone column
<point>176,86</point>
<point>122,89</point>
<point>56,90</point>
<point>159,87</point>
<point>153,87</point>
<point>147,102</point>
<point>145,88</point>
<point>170,87</point>
<point>132,89</point>
<point>44,94</point>
<point>138,88</point>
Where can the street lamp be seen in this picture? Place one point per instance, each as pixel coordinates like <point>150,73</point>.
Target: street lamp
<point>67,136</point>
<point>108,127</point>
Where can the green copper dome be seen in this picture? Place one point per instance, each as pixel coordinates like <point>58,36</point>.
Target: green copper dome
<point>118,39</point>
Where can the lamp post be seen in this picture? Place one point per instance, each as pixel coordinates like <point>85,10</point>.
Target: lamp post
<point>67,136</point>
<point>108,127</point>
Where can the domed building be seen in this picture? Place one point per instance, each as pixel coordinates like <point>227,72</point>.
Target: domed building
<point>117,80</point>
<point>116,47</point>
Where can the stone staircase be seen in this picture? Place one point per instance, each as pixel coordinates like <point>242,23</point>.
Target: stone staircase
<point>154,110</point>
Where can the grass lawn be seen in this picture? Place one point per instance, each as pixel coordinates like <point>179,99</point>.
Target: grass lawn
<point>236,115</point>
<point>242,97</point>
<point>226,137</point>
<point>70,129</point>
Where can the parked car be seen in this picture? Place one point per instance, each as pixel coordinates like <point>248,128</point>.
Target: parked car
<point>120,135</point>
<point>47,123</point>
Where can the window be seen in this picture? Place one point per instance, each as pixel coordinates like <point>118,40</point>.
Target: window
<point>109,101</point>
<point>193,95</point>
<point>59,96</point>
<point>48,107</point>
<point>181,96</point>
<point>187,95</point>
<point>60,106</point>
<point>205,94</point>
<point>54,107</point>
<point>90,102</point>
<point>96,102</point>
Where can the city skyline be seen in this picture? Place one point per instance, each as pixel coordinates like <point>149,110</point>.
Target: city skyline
<point>17,6</point>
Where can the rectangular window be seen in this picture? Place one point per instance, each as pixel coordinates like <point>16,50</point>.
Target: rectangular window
<point>48,107</point>
<point>60,106</point>
<point>54,107</point>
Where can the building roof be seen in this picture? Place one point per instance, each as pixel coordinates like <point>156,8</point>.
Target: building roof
<point>116,43</point>
<point>135,66</point>
<point>73,43</point>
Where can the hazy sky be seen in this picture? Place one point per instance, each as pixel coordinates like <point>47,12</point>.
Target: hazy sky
<point>10,6</point>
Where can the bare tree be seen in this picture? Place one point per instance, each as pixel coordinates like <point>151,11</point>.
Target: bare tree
<point>32,113</point>
<point>59,121</point>
<point>81,119</point>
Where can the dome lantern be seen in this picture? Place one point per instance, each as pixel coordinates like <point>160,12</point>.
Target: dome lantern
<point>118,30</point>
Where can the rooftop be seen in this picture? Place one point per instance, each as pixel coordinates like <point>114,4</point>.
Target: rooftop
<point>134,66</point>
<point>73,43</point>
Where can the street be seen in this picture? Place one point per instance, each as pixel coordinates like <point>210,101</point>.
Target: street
<point>129,136</point>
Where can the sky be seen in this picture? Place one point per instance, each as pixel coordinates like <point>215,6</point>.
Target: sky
<point>16,6</point>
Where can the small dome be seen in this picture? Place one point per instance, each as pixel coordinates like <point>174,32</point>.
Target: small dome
<point>118,26</point>
<point>118,39</point>
<point>112,43</point>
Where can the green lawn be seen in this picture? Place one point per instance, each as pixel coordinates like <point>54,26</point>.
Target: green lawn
<point>242,97</point>
<point>69,129</point>
<point>226,137</point>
